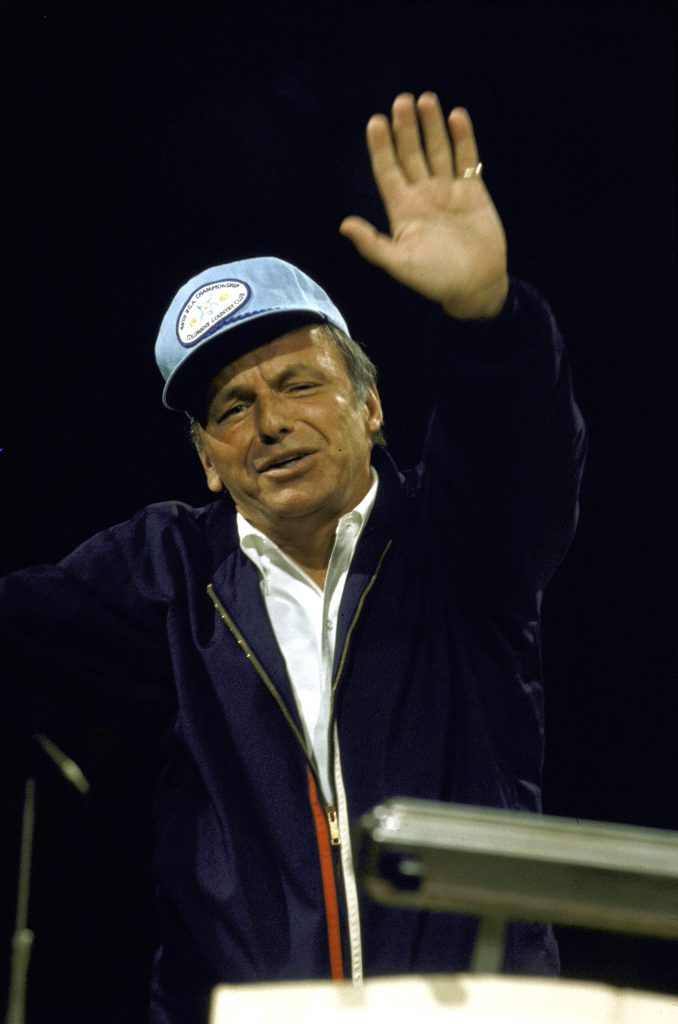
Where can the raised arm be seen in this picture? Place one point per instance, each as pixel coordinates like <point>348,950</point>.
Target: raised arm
<point>446,240</point>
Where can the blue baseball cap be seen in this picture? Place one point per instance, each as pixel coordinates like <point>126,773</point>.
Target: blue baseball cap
<point>226,311</point>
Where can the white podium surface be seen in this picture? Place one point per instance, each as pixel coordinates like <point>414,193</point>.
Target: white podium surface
<point>417,999</point>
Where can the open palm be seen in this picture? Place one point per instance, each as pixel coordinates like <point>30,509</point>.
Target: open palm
<point>446,240</point>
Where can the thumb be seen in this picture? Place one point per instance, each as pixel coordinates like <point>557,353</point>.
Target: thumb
<point>370,243</point>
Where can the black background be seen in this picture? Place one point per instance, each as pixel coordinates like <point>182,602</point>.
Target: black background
<point>145,142</point>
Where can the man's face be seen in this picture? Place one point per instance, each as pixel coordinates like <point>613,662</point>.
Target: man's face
<point>286,435</point>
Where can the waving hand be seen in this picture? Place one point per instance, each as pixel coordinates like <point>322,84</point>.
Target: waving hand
<point>446,240</point>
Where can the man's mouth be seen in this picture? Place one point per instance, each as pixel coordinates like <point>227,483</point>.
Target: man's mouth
<point>283,462</point>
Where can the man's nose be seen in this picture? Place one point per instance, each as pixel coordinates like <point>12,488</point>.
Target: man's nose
<point>273,419</point>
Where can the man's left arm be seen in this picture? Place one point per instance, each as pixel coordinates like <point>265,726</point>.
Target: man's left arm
<point>507,436</point>
<point>506,443</point>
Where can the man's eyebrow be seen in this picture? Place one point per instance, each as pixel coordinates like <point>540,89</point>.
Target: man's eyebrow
<point>218,398</point>
<point>230,391</point>
<point>296,370</point>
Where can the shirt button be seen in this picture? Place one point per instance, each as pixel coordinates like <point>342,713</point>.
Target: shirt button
<point>329,625</point>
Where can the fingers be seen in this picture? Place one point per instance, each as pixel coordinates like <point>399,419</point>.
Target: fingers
<point>463,139</point>
<point>385,165</point>
<point>407,138</point>
<point>435,134</point>
<point>422,142</point>
<point>418,143</point>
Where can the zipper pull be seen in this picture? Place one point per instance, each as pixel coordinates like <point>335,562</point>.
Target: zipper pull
<point>333,823</point>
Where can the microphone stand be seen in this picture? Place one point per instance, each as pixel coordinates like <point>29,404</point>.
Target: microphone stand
<point>22,940</point>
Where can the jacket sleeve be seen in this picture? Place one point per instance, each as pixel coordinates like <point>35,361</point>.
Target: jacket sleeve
<point>85,639</point>
<point>506,445</point>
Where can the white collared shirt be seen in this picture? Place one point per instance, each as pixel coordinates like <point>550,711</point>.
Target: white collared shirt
<point>304,618</point>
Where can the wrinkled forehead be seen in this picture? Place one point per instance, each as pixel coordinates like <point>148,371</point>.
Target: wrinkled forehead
<point>310,346</point>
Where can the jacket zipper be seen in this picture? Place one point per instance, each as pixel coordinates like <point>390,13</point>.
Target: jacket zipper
<point>351,630</point>
<point>333,825</point>
<point>342,664</point>
<point>347,870</point>
<point>331,815</point>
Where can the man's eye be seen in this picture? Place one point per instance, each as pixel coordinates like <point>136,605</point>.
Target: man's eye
<point>233,410</point>
<point>302,386</point>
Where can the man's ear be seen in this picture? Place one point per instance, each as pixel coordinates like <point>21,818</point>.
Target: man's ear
<point>374,415</point>
<point>214,482</point>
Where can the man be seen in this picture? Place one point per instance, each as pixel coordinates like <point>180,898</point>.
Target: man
<point>331,632</point>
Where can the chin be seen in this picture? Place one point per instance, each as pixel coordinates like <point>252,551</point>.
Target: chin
<point>296,506</point>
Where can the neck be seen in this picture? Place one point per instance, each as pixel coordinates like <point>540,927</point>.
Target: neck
<point>310,546</point>
<point>308,540</point>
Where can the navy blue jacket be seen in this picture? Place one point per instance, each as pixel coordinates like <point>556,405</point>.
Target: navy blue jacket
<point>437,690</point>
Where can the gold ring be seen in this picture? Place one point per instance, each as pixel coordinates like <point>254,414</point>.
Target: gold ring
<point>473,172</point>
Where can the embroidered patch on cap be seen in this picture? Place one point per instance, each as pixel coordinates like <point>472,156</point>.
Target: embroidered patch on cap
<point>208,307</point>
